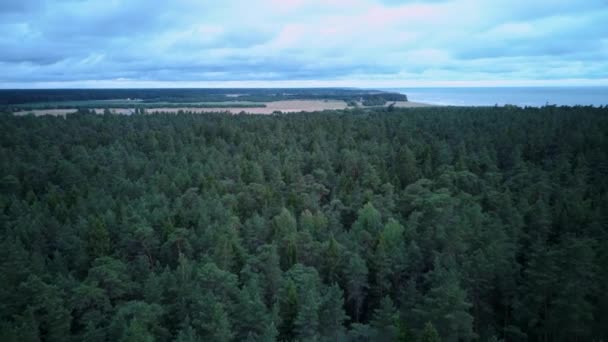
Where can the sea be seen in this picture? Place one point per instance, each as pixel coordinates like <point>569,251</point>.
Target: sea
<point>519,96</point>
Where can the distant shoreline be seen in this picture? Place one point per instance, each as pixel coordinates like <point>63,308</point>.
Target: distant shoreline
<point>501,96</point>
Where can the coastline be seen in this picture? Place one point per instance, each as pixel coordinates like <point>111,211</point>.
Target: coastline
<point>501,96</point>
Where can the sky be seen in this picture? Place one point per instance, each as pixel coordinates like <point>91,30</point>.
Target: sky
<point>302,43</point>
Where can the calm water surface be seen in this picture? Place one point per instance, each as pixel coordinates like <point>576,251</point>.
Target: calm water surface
<point>521,96</point>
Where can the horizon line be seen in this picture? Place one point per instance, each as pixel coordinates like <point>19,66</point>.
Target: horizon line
<point>252,84</point>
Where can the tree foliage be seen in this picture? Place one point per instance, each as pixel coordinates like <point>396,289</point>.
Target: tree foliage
<point>431,224</point>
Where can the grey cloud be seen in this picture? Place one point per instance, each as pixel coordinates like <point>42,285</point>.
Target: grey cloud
<point>74,40</point>
<point>241,39</point>
<point>530,10</point>
<point>574,40</point>
<point>227,70</point>
<point>560,49</point>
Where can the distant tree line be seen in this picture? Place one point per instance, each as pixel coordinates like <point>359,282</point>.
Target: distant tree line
<point>129,105</point>
<point>30,96</point>
<point>430,224</point>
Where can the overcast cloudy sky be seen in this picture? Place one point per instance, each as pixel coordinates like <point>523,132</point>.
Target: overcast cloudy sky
<point>111,43</point>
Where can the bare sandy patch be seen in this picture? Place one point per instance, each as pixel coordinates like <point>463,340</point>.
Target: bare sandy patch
<point>38,112</point>
<point>306,105</point>
<point>288,106</point>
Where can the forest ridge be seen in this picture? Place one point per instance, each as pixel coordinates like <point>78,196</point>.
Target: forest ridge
<point>383,224</point>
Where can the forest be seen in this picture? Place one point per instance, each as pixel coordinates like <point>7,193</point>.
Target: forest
<point>384,224</point>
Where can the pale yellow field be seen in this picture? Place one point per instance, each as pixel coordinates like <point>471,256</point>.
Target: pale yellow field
<point>407,104</point>
<point>290,106</point>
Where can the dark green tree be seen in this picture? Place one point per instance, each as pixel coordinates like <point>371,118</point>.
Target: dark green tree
<point>429,334</point>
<point>385,321</point>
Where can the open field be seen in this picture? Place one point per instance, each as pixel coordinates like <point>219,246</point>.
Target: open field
<point>286,106</point>
<point>253,101</point>
<point>408,104</point>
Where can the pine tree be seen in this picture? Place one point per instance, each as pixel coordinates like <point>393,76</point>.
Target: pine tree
<point>136,331</point>
<point>385,321</point>
<point>332,315</point>
<point>251,313</point>
<point>220,326</point>
<point>365,231</point>
<point>187,334</point>
<point>331,260</point>
<point>270,333</point>
<point>389,259</point>
<point>306,324</point>
<point>289,312</point>
<point>533,308</point>
<point>271,272</point>
<point>572,307</point>
<point>228,251</point>
<point>407,166</point>
<point>307,221</point>
<point>98,241</point>
<point>357,284</point>
<point>446,305</point>
<point>429,334</point>
<point>285,231</point>
<point>28,327</point>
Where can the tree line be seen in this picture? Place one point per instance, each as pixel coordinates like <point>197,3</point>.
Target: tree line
<point>26,98</point>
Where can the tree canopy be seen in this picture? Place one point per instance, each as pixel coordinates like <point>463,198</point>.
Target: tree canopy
<point>430,224</point>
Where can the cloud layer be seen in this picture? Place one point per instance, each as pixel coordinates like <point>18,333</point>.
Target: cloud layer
<point>307,42</point>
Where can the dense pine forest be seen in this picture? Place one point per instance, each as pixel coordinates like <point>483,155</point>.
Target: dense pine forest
<point>430,224</point>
